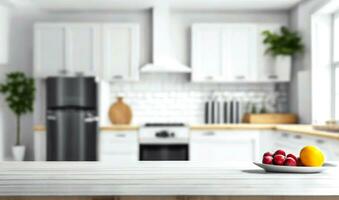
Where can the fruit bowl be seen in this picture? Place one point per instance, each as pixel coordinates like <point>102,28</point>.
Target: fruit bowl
<point>293,169</point>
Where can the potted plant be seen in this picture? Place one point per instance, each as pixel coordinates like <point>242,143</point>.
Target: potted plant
<point>283,46</point>
<point>19,91</point>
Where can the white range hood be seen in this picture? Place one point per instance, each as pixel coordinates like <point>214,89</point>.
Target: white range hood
<point>163,61</point>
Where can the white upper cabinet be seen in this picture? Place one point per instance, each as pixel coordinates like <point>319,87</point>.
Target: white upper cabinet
<point>223,52</point>
<point>83,49</point>
<point>234,52</point>
<point>270,68</point>
<point>240,47</point>
<point>120,52</point>
<point>107,51</point>
<point>207,53</point>
<point>49,50</point>
<point>4,29</point>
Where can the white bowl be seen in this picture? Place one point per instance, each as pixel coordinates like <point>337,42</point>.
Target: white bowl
<point>290,169</point>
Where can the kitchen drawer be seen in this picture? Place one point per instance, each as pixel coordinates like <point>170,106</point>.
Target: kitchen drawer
<point>118,142</point>
<point>223,146</point>
<point>118,158</point>
<point>228,135</point>
<point>293,143</point>
<point>117,137</point>
<point>116,147</point>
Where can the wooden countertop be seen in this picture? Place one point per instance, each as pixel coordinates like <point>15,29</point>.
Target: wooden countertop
<point>205,127</point>
<point>160,179</point>
<point>301,129</point>
<point>120,128</point>
<point>307,130</point>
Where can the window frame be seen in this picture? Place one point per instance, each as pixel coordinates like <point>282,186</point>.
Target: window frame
<point>334,66</point>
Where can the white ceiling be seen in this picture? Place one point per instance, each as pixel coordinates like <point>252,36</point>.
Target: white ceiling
<point>144,4</point>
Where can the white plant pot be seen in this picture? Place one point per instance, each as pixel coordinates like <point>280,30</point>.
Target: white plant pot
<point>283,65</point>
<point>18,153</point>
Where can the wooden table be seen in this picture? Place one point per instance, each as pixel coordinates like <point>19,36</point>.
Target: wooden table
<point>160,180</point>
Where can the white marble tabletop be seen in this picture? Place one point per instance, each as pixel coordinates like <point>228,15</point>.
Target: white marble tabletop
<point>159,178</point>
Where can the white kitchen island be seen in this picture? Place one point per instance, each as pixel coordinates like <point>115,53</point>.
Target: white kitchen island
<point>96,180</point>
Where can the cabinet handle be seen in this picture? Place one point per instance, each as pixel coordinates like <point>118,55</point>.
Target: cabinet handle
<point>320,141</point>
<point>209,134</point>
<point>63,71</point>
<point>297,137</point>
<point>51,118</point>
<point>118,77</point>
<point>91,119</point>
<point>209,77</point>
<point>273,77</point>
<point>240,77</point>
<point>79,74</point>
<point>285,135</point>
<point>121,135</point>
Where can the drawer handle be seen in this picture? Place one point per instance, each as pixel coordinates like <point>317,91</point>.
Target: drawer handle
<point>209,134</point>
<point>209,77</point>
<point>285,135</point>
<point>273,77</point>
<point>240,77</point>
<point>118,77</point>
<point>319,141</point>
<point>121,135</point>
<point>297,137</point>
<point>63,72</point>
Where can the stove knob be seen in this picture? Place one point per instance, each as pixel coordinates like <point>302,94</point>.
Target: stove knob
<point>162,134</point>
<point>172,134</point>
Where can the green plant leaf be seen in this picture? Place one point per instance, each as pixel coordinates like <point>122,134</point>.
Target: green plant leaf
<point>285,43</point>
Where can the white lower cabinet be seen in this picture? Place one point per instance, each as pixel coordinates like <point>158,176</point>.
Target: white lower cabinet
<point>224,146</point>
<point>118,146</point>
<point>210,146</point>
<point>40,146</point>
<point>294,142</point>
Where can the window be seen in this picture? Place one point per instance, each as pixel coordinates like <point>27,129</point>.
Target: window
<point>335,64</point>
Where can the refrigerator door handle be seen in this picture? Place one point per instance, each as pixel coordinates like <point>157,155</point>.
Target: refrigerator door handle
<point>91,119</point>
<point>51,117</point>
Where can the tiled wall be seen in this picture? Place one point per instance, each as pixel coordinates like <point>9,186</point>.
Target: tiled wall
<point>173,98</point>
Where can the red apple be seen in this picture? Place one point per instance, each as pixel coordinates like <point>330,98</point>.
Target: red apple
<point>290,162</point>
<point>280,152</point>
<point>268,154</point>
<point>279,159</point>
<point>267,160</point>
<point>292,156</point>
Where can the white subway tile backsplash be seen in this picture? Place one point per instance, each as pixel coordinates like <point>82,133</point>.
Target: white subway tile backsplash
<point>173,98</point>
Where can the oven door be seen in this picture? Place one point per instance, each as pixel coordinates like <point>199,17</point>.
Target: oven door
<point>163,152</point>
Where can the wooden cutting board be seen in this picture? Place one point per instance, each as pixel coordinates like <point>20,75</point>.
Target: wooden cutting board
<point>273,118</point>
<point>120,113</point>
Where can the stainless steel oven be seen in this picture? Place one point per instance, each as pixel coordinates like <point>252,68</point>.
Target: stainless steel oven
<point>164,142</point>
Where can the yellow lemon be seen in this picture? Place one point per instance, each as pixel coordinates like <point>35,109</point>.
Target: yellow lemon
<point>311,156</point>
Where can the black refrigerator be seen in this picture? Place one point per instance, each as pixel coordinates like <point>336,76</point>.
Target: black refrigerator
<point>71,117</point>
